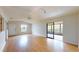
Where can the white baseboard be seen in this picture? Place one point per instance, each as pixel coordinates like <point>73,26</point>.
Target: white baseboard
<point>39,35</point>
<point>70,43</point>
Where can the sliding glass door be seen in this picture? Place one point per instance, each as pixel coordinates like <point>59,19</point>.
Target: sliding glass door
<point>50,30</point>
<point>54,28</point>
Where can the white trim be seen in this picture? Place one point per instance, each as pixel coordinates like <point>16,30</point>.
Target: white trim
<point>70,43</point>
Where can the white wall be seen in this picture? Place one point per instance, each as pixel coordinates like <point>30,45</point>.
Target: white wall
<point>78,30</point>
<point>11,29</point>
<point>39,29</point>
<point>3,34</point>
<point>2,40</point>
<point>70,29</point>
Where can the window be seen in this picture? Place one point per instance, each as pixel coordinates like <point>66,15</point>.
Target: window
<point>23,28</point>
<point>58,27</point>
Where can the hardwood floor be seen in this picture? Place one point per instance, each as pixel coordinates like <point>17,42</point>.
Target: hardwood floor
<point>31,43</point>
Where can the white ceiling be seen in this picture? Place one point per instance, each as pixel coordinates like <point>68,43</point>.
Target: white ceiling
<point>37,12</point>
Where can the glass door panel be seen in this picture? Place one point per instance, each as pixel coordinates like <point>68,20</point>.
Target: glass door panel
<point>50,30</point>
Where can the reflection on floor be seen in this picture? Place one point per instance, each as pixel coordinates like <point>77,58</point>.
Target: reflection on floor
<point>31,43</point>
<point>57,37</point>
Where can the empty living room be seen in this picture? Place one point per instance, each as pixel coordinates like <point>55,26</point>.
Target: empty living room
<point>39,28</point>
